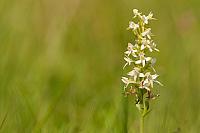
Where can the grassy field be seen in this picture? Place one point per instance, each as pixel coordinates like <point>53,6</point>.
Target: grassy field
<point>61,64</point>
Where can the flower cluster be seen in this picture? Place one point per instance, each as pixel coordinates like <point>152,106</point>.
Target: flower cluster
<point>142,76</point>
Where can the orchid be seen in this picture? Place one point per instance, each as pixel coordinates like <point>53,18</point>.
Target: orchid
<point>148,44</point>
<point>127,81</point>
<point>139,81</point>
<point>136,13</point>
<point>133,26</point>
<point>147,33</point>
<point>142,59</point>
<point>128,61</point>
<point>131,50</point>
<point>134,73</point>
<point>147,18</point>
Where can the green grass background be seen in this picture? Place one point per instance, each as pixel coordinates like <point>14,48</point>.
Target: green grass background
<point>61,64</point>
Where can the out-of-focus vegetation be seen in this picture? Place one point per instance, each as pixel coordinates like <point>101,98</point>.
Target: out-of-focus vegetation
<point>61,63</point>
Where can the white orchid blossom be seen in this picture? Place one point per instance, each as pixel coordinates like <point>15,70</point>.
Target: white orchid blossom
<point>146,19</point>
<point>127,81</point>
<point>142,59</point>
<point>135,73</point>
<point>136,13</point>
<point>133,26</point>
<point>153,46</point>
<point>146,44</point>
<point>147,33</point>
<point>131,50</point>
<point>149,80</point>
<point>128,61</point>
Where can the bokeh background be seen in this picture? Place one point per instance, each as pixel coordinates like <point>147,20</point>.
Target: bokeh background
<point>61,64</point>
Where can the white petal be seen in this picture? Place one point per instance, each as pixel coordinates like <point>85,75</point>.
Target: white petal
<point>143,63</point>
<point>132,73</point>
<point>125,80</point>
<point>149,36</point>
<point>159,83</point>
<point>148,58</point>
<point>146,32</point>
<point>142,47</point>
<point>134,55</point>
<point>150,15</point>
<point>156,49</point>
<point>128,52</point>
<point>130,45</point>
<point>138,62</point>
<point>147,88</point>
<point>153,69</point>
<point>155,76</point>
<point>151,83</point>
<point>135,12</point>
<point>125,65</point>
<point>128,60</point>
<point>150,49</point>
<point>135,78</point>
<point>137,69</point>
<point>141,75</point>
<point>145,19</point>
<point>147,74</point>
<point>146,81</point>
<point>134,50</point>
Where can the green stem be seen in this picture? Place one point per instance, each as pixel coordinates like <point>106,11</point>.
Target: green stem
<point>142,124</point>
<point>142,115</point>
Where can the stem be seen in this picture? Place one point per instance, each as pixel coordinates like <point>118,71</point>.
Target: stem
<point>125,116</point>
<point>142,124</point>
<point>142,115</point>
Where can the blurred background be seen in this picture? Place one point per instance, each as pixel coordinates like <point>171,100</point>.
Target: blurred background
<point>61,66</point>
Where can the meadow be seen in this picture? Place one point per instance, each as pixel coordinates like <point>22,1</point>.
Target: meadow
<point>61,66</point>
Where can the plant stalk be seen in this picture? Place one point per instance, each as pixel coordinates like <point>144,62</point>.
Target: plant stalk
<point>142,124</point>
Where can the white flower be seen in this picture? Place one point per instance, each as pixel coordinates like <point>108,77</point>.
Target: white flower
<point>145,85</point>
<point>141,75</point>
<point>146,44</point>
<point>142,59</point>
<point>136,13</point>
<point>146,19</point>
<point>126,81</point>
<point>147,33</point>
<point>150,16</point>
<point>153,46</point>
<point>133,26</point>
<point>131,50</point>
<point>128,61</point>
<point>149,80</point>
<point>135,73</point>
